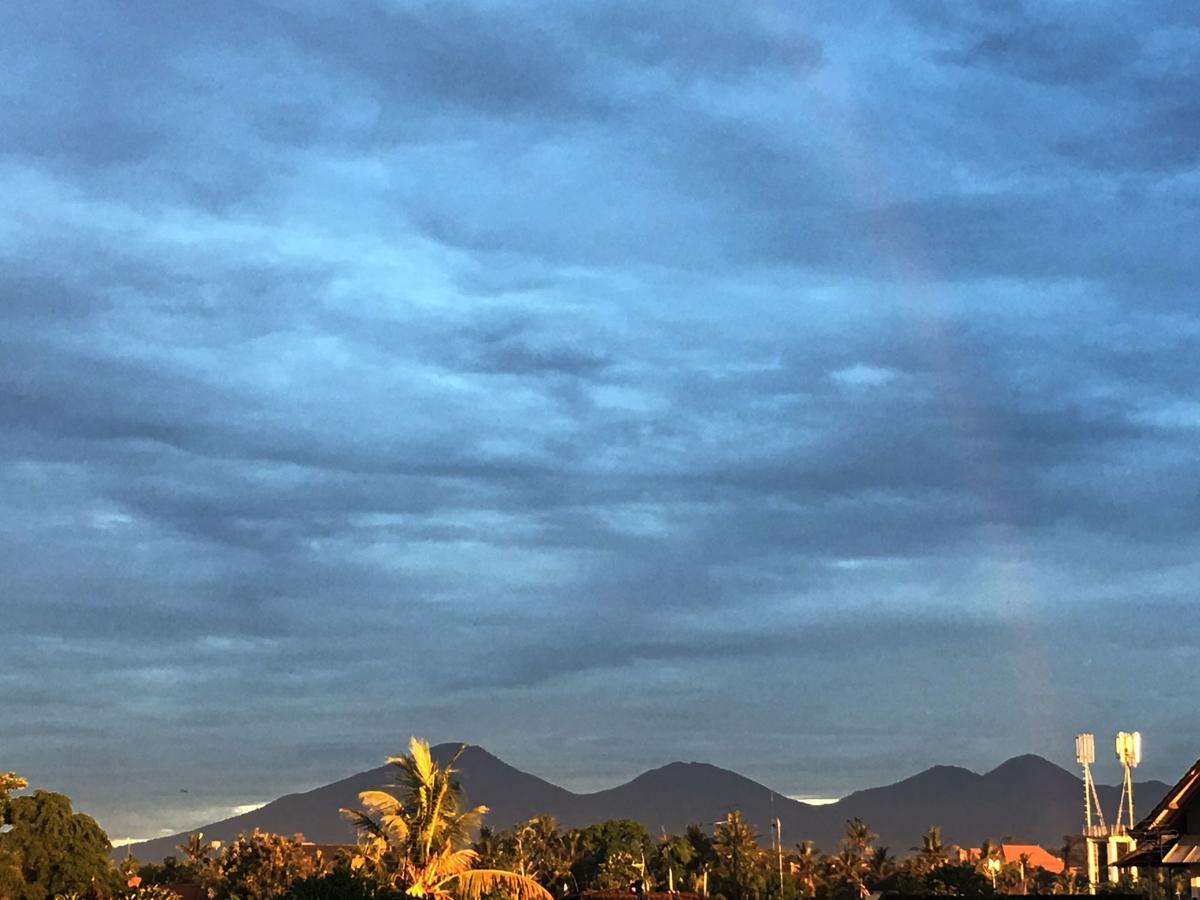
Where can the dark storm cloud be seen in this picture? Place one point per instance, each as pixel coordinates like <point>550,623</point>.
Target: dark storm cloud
<point>658,365</point>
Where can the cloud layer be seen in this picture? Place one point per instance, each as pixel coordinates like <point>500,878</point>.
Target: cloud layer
<point>808,393</point>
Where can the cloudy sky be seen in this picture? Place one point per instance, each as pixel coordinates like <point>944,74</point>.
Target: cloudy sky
<point>802,388</point>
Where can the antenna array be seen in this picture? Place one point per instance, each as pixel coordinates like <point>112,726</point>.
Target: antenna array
<point>1111,841</point>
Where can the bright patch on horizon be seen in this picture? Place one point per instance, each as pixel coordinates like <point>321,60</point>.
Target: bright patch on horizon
<point>817,801</point>
<point>203,816</point>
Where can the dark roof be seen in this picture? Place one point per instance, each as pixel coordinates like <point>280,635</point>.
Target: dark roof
<point>1160,836</point>
<point>1168,815</point>
<point>1181,851</point>
<point>1147,856</point>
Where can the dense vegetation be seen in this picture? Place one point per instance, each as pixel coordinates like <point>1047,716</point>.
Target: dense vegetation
<point>420,840</point>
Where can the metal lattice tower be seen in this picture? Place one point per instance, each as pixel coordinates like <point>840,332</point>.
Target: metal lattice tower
<point>1085,753</point>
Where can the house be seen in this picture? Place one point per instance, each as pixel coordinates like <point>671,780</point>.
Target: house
<point>1036,856</point>
<point>1169,838</point>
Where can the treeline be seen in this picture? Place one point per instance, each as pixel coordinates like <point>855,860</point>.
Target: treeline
<point>419,839</point>
<point>733,864</point>
<point>620,854</point>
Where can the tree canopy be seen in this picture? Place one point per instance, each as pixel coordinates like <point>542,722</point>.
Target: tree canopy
<point>50,849</point>
<point>415,835</point>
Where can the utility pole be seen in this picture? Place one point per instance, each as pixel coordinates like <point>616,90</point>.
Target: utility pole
<point>777,827</point>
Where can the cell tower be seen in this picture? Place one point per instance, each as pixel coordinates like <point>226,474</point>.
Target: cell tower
<point>1085,753</point>
<point>1129,755</point>
<point>1108,842</point>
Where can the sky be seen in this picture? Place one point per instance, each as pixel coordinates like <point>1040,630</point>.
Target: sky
<point>805,388</point>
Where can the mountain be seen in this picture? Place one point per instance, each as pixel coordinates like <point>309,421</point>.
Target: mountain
<point>512,796</point>
<point>1027,798</point>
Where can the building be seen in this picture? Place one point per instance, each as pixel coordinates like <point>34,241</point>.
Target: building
<point>1036,857</point>
<point>1169,838</point>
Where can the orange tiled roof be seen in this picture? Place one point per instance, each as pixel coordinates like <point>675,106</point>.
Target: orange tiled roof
<point>1038,856</point>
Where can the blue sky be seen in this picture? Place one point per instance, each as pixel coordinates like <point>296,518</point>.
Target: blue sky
<point>807,390</point>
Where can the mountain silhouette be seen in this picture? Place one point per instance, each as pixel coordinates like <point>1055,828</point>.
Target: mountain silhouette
<point>1027,798</point>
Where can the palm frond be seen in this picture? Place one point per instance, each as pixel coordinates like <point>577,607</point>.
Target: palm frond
<point>380,802</point>
<point>396,828</point>
<point>453,862</point>
<point>475,883</point>
<point>362,822</point>
<point>421,758</point>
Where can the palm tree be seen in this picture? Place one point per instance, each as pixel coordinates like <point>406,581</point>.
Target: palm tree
<point>848,867</point>
<point>1025,864</point>
<point>880,865</point>
<point>196,850</point>
<point>859,835</point>
<point>1066,882</point>
<point>932,852</point>
<point>489,848</point>
<point>674,854</point>
<point>736,846</point>
<point>416,837</point>
<point>989,863</point>
<point>703,858</point>
<point>807,867</point>
<point>850,864</point>
<point>987,850</point>
<point>542,851</point>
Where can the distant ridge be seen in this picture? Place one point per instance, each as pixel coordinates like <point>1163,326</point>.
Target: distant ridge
<point>1027,798</point>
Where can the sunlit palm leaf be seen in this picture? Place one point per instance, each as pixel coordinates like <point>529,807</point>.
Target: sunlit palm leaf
<point>474,884</point>
<point>452,863</point>
<point>362,822</point>
<point>380,802</point>
<point>421,760</point>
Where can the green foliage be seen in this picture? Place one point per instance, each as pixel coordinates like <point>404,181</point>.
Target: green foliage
<point>169,871</point>
<point>129,867</point>
<point>414,837</point>
<point>493,848</point>
<point>257,866</point>
<point>741,865</point>
<point>1068,882</point>
<point>1125,884</point>
<point>672,860</point>
<point>957,880</point>
<point>197,858</point>
<point>610,854</point>
<point>413,845</point>
<point>932,852</point>
<point>50,849</point>
<point>1160,884</point>
<point>340,884</point>
<point>149,892</point>
<point>881,865</point>
<point>704,858</point>
<point>850,868</point>
<point>806,867</point>
<point>197,851</point>
<point>541,850</point>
